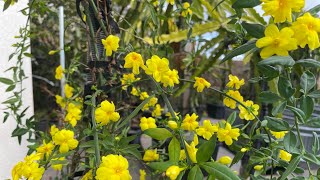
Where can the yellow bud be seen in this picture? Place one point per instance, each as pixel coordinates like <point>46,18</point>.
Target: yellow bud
<point>225,160</point>
<point>172,125</point>
<point>258,167</point>
<point>52,52</point>
<point>244,150</point>
<point>117,138</point>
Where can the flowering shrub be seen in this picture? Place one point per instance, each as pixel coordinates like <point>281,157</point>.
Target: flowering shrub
<point>94,138</point>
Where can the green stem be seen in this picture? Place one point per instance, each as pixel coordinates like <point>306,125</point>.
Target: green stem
<point>96,13</point>
<point>94,126</point>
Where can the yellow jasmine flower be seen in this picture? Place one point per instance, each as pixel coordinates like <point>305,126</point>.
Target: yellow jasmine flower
<point>276,42</point>
<point>45,149</point>
<point>151,155</point>
<point>281,10</point>
<point>134,60</point>
<point>192,151</point>
<point>173,172</point>
<point>157,67</point>
<point>200,84</point>
<point>147,123</point>
<point>190,123</point>
<point>111,43</point>
<point>113,167</point>
<point>306,30</point>
<point>170,1</point>
<point>144,95</point>
<point>59,72</point>
<point>88,175</point>
<point>142,174</point>
<point>253,109</point>
<point>258,167</point>
<point>186,10</point>
<point>228,134</point>
<point>106,113</point>
<point>235,82</point>
<point>225,160</point>
<point>65,138</point>
<point>279,135</point>
<point>73,115</point>
<point>30,171</point>
<point>172,125</point>
<point>58,167</point>
<point>157,111</point>
<point>68,90</point>
<point>134,91</point>
<point>284,155</point>
<point>152,102</point>
<point>183,155</point>
<point>60,101</point>
<point>53,130</point>
<point>207,129</point>
<point>128,79</point>
<point>170,78</point>
<point>230,102</point>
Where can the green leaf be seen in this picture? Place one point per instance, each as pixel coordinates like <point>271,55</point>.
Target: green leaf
<point>314,122</point>
<point>246,4</point>
<point>11,101</point>
<point>316,143</point>
<point>206,149</point>
<point>307,81</point>
<point>292,166</point>
<point>237,158</point>
<point>277,125</point>
<point>308,63</point>
<point>314,10</point>
<point>19,132</point>
<point>285,88</point>
<point>6,81</point>
<point>269,97</point>
<point>255,30</point>
<point>10,88</point>
<point>311,158</point>
<point>269,72</point>
<point>174,150</point>
<point>239,50</point>
<point>7,4</point>
<point>279,108</point>
<point>195,173</point>
<point>87,144</point>
<point>314,94</point>
<point>290,142</point>
<point>307,105</point>
<point>5,118</point>
<point>232,117</point>
<point>57,162</point>
<point>161,166</point>
<point>277,60</point>
<point>221,172</point>
<point>298,113</point>
<point>158,133</point>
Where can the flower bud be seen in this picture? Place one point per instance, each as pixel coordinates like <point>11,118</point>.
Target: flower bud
<point>172,125</point>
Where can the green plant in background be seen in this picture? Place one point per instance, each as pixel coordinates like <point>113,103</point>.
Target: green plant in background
<point>137,67</point>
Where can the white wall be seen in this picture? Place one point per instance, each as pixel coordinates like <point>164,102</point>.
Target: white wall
<point>10,151</point>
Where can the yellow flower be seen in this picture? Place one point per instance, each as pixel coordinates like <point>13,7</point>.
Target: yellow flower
<point>200,84</point>
<point>157,67</point>
<point>147,123</point>
<point>253,109</point>
<point>281,10</point>
<point>32,171</point>
<point>170,78</point>
<point>173,172</point>
<point>128,79</point>
<point>113,167</point>
<point>68,90</point>
<point>151,155</point>
<point>230,102</point>
<point>306,30</point>
<point>152,102</point>
<point>258,167</point>
<point>195,139</point>
<point>228,134</point>
<point>65,138</point>
<point>284,155</point>
<point>58,167</point>
<point>142,174</point>
<point>134,91</point>
<point>53,130</point>
<point>111,43</point>
<point>106,113</point>
<point>183,155</point>
<point>244,150</point>
<point>60,101</point>
<point>276,42</point>
<point>186,10</point>
<point>192,151</point>
<point>279,135</point>
<point>88,175</point>
<point>207,130</point>
<point>73,115</point>
<point>134,60</point>
<point>143,96</point>
<point>157,111</point>
<point>170,1</point>
<point>172,125</point>
<point>235,82</point>
<point>59,72</point>
<point>155,3</point>
<point>190,123</point>
<point>225,160</point>
<point>45,149</point>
